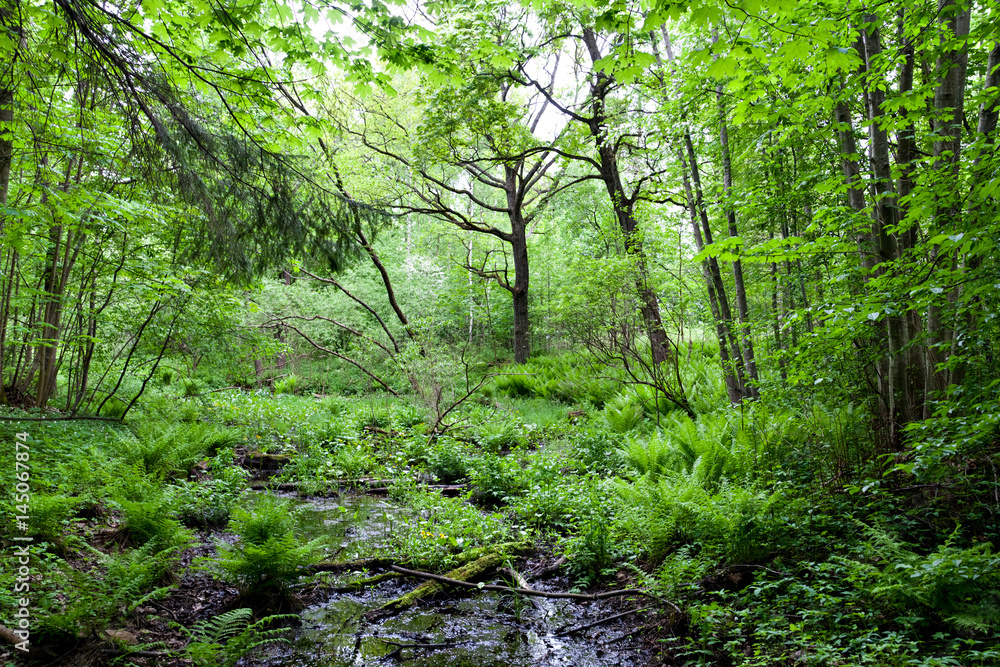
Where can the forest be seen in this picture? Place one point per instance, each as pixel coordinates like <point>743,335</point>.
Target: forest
<point>482,332</point>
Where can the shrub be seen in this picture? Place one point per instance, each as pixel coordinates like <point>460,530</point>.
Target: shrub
<point>150,521</point>
<point>445,528</point>
<point>130,578</point>
<point>447,460</point>
<point>589,557</point>
<point>496,478</point>
<point>50,515</point>
<point>596,449</point>
<point>286,385</point>
<point>352,461</point>
<point>651,456</point>
<point>191,387</point>
<point>114,408</point>
<point>551,498</point>
<point>209,503</point>
<point>961,586</point>
<point>734,523</point>
<point>165,449</point>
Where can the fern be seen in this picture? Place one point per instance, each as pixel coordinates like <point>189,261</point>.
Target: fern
<point>129,579</point>
<point>220,628</point>
<point>163,448</point>
<point>226,638</point>
<point>623,413</point>
<point>269,556</point>
<point>661,513</point>
<point>962,586</point>
<point>653,457</point>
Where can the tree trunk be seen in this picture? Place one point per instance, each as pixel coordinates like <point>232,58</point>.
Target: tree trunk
<point>949,106</point>
<point>519,294</point>
<point>9,22</point>
<point>776,313</point>
<point>519,249</point>
<point>989,112</point>
<point>852,176</point>
<point>733,389</point>
<point>281,359</point>
<point>725,319</point>
<point>906,240</point>
<point>624,206</point>
<point>741,291</point>
<point>897,399</point>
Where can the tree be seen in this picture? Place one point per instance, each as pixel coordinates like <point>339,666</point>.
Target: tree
<point>473,156</point>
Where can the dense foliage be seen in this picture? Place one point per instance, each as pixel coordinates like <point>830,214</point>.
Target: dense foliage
<point>741,255</point>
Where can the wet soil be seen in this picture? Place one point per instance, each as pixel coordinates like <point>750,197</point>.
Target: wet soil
<point>480,629</point>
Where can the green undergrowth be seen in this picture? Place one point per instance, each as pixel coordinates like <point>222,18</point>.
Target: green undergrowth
<point>782,531</point>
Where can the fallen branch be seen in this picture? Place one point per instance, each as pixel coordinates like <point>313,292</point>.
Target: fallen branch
<point>431,646</point>
<point>761,567</point>
<point>335,485</point>
<point>523,591</point>
<point>445,489</point>
<point>397,653</point>
<point>137,653</point>
<point>366,581</point>
<point>459,575</point>
<point>363,564</point>
<point>117,420</point>
<point>549,570</point>
<point>563,633</point>
<point>380,431</point>
<point>265,486</point>
<point>264,457</point>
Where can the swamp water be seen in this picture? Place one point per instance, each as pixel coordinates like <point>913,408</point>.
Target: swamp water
<point>479,630</point>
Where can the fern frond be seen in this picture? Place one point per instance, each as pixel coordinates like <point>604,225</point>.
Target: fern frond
<point>219,628</point>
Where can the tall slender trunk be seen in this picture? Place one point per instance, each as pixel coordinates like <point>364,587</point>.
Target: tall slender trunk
<point>776,313</point>
<point>741,292</point>
<point>897,399</point>
<point>852,176</point>
<point>981,210</point>
<point>989,111</point>
<point>949,105</point>
<point>906,241</point>
<point>733,388</point>
<point>9,22</point>
<point>906,143</point>
<point>725,313</point>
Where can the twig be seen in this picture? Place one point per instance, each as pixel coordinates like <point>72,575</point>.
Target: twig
<point>524,591</point>
<point>445,645</point>
<point>60,419</point>
<point>761,567</point>
<point>563,633</point>
<point>399,647</point>
<point>549,570</point>
<point>620,637</point>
